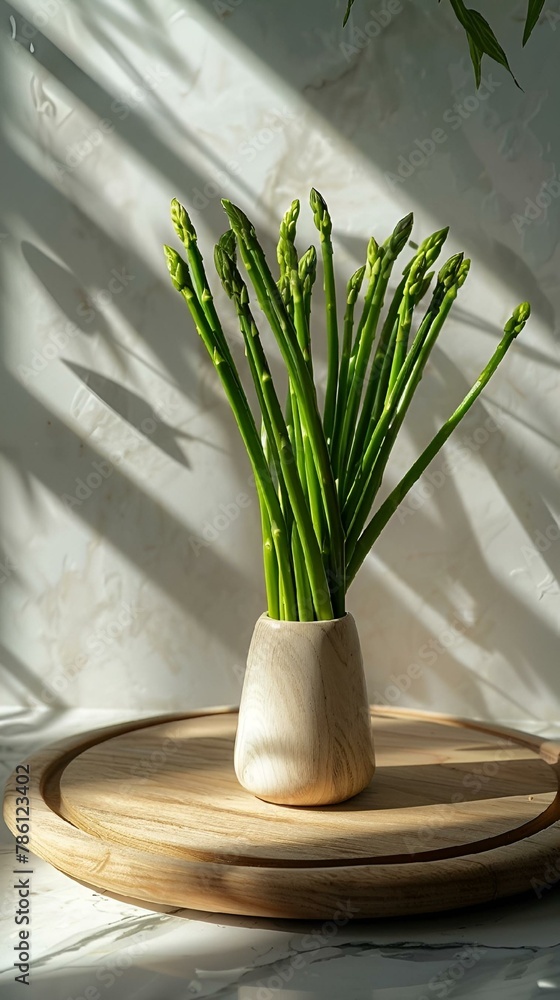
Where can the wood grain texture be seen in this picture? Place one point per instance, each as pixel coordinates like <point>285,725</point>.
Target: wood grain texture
<point>304,736</point>
<point>457,813</point>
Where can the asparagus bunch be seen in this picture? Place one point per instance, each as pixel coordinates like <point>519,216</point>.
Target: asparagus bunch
<point>318,467</point>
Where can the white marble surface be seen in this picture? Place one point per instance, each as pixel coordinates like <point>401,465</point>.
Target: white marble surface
<point>83,942</point>
<point>112,108</point>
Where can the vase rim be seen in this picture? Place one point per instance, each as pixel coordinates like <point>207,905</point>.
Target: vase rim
<point>297,621</point>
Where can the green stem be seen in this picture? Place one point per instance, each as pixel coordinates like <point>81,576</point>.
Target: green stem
<point>352,292</point>
<point>360,497</point>
<point>237,399</point>
<point>187,234</point>
<point>385,361</point>
<point>276,426</point>
<point>270,562</point>
<point>381,270</point>
<point>381,517</point>
<point>381,367</point>
<point>323,222</point>
<point>307,269</point>
<point>283,329</point>
<point>382,377</point>
<point>304,595</point>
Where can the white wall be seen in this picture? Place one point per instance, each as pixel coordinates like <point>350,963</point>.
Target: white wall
<point>115,107</point>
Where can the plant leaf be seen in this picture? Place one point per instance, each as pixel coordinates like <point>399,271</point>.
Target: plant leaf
<point>533,14</point>
<point>476,58</point>
<point>349,8</point>
<point>483,37</point>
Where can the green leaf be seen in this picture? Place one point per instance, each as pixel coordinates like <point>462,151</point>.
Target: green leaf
<point>483,37</point>
<point>476,58</point>
<point>533,14</point>
<point>347,14</point>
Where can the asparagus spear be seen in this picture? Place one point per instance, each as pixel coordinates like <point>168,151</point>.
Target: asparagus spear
<point>322,220</point>
<point>511,330</point>
<point>352,292</point>
<point>427,254</point>
<point>182,281</point>
<point>303,588</point>
<point>307,268</point>
<point>365,336</point>
<point>291,295</point>
<point>451,276</point>
<point>293,274</point>
<point>407,296</point>
<point>270,560</point>
<point>187,234</point>
<point>283,329</point>
<point>307,271</point>
<point>236,288</point>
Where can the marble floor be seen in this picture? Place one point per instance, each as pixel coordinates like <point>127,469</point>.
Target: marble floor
<point>85,945</point>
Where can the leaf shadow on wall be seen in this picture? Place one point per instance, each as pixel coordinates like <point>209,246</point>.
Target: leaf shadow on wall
<point>62,226</point>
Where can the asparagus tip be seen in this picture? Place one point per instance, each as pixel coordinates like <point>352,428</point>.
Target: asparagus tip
<point>182,223</point>
<point>354,285</point>
<point>518,319</point>
<point>222,264</point>
<point>227,243</point>
<point>400,234</point>
<point>372,251</point>
<point>463,271</point>
<point>177,268</point>
<point>239,221</point>
<point>307,266</point>
<point>450,269</point>
<point>321,215</point>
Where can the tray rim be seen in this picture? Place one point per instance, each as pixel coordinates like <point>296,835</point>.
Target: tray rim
<point>393,889</point>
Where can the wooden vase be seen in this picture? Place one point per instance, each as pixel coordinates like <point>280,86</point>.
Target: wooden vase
<point>304,732</point>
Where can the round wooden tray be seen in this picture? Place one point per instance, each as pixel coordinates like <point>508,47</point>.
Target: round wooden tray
<point>458,813</point>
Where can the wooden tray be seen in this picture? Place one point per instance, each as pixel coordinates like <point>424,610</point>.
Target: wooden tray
<point>458,813</point>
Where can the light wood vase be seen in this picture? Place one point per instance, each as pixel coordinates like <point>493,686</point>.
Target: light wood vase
<point>304,732</point>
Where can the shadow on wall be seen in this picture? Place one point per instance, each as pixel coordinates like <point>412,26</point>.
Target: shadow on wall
<point>386,94</point>
<point>89,246</point>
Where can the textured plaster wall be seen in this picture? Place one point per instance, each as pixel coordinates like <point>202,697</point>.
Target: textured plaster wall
<point>119,457</point>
